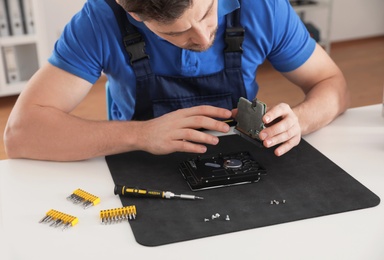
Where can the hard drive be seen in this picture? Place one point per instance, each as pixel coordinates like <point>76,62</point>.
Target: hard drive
<point>213,171</point>
<point>250,120</point>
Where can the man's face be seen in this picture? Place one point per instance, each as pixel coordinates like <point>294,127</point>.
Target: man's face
<point>195,30</point>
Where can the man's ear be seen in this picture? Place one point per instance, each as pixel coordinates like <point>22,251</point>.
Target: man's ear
<point>135,16</point>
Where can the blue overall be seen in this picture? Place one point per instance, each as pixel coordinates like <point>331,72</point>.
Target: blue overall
<point>157,95</point>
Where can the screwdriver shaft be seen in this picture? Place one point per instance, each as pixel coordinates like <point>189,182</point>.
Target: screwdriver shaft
<point>188,197</point>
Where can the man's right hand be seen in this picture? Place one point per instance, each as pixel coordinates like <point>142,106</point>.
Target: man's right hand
<point>178,131</point>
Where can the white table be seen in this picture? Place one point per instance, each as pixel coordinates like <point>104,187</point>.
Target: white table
<point>28,189</point>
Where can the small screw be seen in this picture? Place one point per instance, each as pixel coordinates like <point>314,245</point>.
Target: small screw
<point>206,219</point>
<point>276,202</point>
<point>227,218</point>
<point>284,201</point>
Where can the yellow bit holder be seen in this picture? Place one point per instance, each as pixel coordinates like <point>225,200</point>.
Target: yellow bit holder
<point>110,216</point>
<point>87,199</point>
<point>57,219</point>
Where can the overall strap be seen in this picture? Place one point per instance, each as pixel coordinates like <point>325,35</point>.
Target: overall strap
<point>133,41</point>
<point>234,37</point>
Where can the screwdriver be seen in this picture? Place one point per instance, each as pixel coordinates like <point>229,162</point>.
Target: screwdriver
<point>137,192</point>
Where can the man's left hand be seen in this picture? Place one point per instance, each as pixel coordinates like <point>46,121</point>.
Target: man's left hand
<point>282,129</point>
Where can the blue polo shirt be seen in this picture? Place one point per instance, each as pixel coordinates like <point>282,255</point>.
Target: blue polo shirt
<point>91,44</point>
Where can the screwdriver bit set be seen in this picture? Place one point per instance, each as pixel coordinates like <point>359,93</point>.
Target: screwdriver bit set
<point>84,198</point>
<point>109,216</point>
<point>59,219</point>
<point>117,215</point>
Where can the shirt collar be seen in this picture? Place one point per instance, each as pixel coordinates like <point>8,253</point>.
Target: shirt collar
<point>227,6</point>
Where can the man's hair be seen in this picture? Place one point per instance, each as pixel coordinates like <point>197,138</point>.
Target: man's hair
<point>164,11</point>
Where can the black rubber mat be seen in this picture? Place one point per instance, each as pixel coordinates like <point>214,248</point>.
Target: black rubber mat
<point>308,182</point>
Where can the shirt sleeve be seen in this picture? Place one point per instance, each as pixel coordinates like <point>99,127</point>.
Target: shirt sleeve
<point>78,50</point>
<point>292,44</point>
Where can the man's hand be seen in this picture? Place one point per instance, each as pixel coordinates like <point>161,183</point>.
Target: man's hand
<point>326,97</point>
<point>282,128</point>
<point>178,131</point>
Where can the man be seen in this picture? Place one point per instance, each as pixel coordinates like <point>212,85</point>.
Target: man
<point>190,81</point>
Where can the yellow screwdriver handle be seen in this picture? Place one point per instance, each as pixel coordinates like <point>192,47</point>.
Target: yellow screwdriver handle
<point>136,192</point>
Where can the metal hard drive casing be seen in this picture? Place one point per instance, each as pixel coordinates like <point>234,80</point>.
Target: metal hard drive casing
<point>250,119</point>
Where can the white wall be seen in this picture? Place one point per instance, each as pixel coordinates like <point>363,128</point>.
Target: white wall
<point>357,19</point>
<point>351,19</point>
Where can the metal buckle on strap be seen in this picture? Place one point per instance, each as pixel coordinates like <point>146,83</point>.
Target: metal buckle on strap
<point>234,38</point>
<point>135,46</point>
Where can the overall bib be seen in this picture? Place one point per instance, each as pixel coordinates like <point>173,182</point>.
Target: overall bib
<point>157,95</point>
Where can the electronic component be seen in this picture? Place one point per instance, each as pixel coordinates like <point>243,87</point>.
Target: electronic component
<point>250,120</point>
<point>86,199</point>
<point>111,216</point>
<point>136,192</point>
<point>59,219</point>
<point>206,172</point>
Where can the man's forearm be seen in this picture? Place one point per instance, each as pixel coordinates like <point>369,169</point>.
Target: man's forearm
<point>323,104</point>
<point>48,134</point>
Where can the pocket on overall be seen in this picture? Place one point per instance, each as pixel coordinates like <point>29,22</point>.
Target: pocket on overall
<point>164,106</point>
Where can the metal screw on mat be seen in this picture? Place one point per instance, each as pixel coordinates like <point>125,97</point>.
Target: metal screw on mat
<point>277,202</point>
<point>216,216</point>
